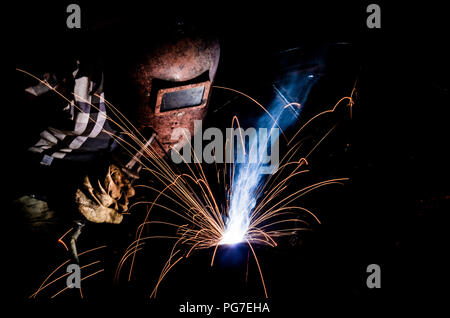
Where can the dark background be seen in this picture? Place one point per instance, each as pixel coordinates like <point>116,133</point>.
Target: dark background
<point>394,148</point>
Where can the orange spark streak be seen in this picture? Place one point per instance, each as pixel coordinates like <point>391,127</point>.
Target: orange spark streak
<point>61,241</point>
<point>259,269</point>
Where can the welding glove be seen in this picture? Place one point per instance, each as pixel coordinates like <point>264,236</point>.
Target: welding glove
<point>106,202</point>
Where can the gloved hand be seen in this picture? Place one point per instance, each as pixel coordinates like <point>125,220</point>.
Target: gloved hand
<point>106,203</point>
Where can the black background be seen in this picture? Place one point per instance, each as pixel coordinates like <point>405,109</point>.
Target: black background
<point>394,149</point>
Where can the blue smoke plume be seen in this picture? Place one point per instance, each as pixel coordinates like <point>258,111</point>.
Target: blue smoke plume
<point>293,86</point>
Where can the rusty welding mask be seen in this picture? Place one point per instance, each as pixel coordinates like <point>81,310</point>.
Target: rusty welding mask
<point>174,82</point>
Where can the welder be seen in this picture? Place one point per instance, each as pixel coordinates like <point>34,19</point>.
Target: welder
<point>76,165</point>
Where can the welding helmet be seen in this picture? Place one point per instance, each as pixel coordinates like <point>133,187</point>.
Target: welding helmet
<point>174,80</point>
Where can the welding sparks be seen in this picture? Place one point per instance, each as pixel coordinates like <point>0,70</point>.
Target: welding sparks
<point>244,194</point>
<point>246,216</point>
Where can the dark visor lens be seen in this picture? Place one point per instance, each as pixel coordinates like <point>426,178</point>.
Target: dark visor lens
<point>182,98</point>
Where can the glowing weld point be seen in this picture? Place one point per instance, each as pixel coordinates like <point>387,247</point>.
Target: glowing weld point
<point>232,238</point>
<point>235,232</point>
